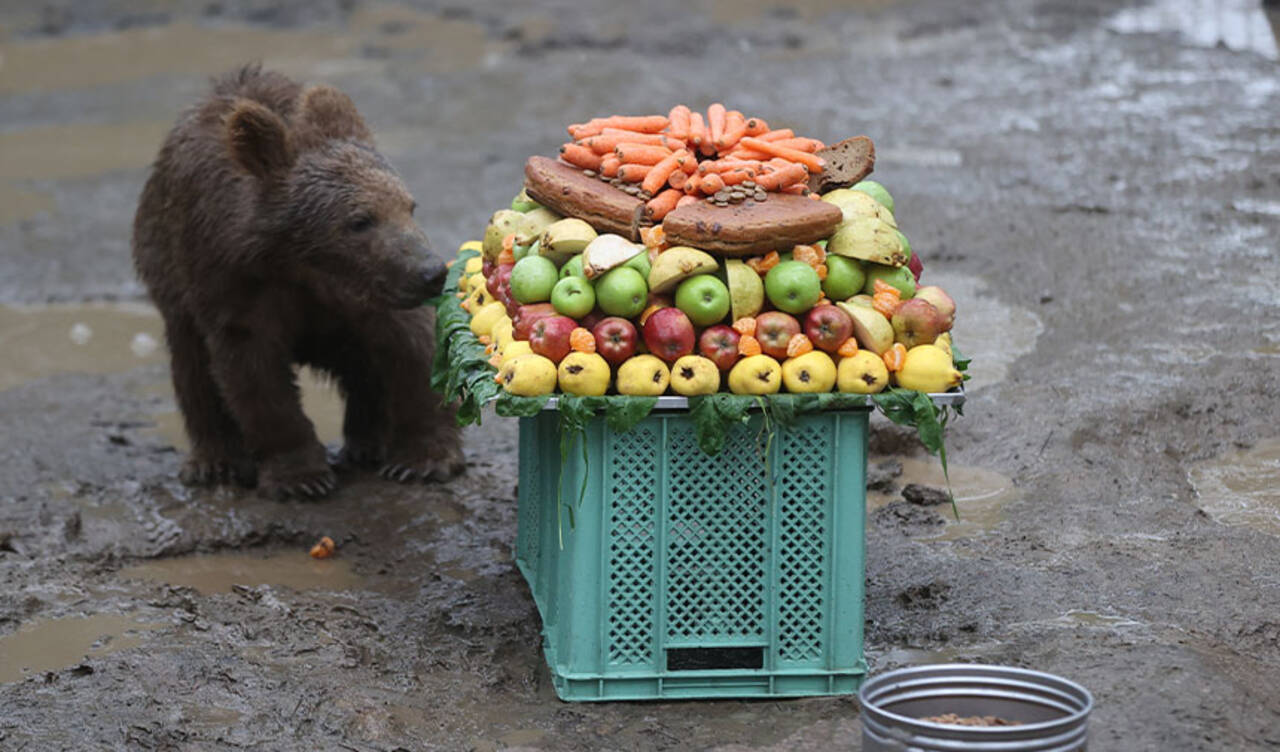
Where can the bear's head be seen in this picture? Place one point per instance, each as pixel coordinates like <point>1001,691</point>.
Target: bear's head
<point>335,212</point>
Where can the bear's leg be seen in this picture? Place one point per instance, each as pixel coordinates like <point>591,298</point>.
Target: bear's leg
<point>218,453</point>
<point>425,442</point>
<point>366,418</point>
<point>254,373</point>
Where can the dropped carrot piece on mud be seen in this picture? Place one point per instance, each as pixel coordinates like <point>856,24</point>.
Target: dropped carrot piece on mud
<point>323,548</point>
<point>799,344</point>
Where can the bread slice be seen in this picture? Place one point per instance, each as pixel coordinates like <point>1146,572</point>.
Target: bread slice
<point>848,161</point>
<point>566,190</point>
<point>750,228</point>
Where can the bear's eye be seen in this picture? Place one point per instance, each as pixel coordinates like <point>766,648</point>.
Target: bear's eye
<point>413,208</point>
<point>361,223</point>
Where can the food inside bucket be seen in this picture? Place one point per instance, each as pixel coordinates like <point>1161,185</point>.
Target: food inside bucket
<point>972,720</point>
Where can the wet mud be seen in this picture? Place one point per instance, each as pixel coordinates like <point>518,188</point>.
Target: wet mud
<point>1094,182</point>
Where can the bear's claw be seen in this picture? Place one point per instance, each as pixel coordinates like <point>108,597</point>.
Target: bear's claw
<point>439,469</point>
<point>203,472</point>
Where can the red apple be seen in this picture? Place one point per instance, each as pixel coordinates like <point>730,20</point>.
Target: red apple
<point>719,344</point>
<point>828,327</point>
<point>549,336</point>
<point>528,315</point>
<point>494,282</point>
<point>668,333</point>
<point>915,265</point>
<point>591,319</point>
<point>615,339</point>
<point>940,300</point>
<point>916,321</point>
<point>774,329</point>
<point>487,267</point>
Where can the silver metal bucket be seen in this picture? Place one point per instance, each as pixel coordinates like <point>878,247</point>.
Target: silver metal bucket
<point>1053,711</point>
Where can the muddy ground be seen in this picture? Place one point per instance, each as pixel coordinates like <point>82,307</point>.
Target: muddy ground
<point>1098,184</point>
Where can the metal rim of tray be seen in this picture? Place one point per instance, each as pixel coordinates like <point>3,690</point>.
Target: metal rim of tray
<point>677,402</point>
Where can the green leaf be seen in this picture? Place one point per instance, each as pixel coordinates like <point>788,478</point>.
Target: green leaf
<point>713,414</point>
<point>624,412</point>
<point>516,406</point>
<point>960,361</point>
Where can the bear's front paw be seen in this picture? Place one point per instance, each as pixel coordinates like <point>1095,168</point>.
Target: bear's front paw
<point>203,470</point>
<point>303,473</point>
<point>358,455</point>
<point>441,464</point>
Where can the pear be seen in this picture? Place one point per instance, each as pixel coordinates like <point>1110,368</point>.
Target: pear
<point>928,368</point>
<point>473,265</point>
<point>694,374</point>
<point>746,289</point>
<point>522,203</point>
<point>643,375</point>
<point>677,264</point>
<point>855,204</point>
<point>504,222</point>
<point>565,238</point>
<point>862,373</point>
<point>814,371</point>
<point>872,330</point>
<point>584,373</point>
<point>876,191</point>
<point>536,222</point>
<point>502,333</point>
<point>514,349</point>
<point>606,252</point>
<point>869,239</point>
<point>528,375</point>
<point>755,374</point>
<point>483,321</point>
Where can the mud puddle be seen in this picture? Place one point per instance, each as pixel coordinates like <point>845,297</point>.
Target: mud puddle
<point>980,314</point>
<point>981,495</point>
<point>39,341</point>
<point>925,657</point>
<point>1242,488</point>
<point>54,644</point>
<point>1236,24</point>
<point>211,574</point>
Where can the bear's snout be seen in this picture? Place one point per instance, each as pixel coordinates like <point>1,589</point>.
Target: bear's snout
<point>432,276</point>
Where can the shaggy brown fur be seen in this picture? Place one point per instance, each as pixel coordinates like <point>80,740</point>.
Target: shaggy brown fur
<point>272,233</point>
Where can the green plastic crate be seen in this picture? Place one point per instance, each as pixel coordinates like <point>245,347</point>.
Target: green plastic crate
<point>695,576</point>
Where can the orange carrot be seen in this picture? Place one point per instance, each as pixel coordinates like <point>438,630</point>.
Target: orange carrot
<point>725,165</point>
<point>678,179</point>
<point>756,127</point>
<point>685,200</point>
<point>693,184</point>
<point>697,129</point>
<point>716,114</point>
<point>733,177</point>
<point>803,144</point>
<point>660,205</point>
<point>815,164</point>
<point>795,189</point>
<point>735,127</point>
<point>780,178</point>
<point>660,172</point>
<point>777,135</point>
<point>609,165</point>
<point>747,155</point>
<point>638,123</point>
<point>679,122</point>
<point>634,153</point>
<point>652,139</point>
<point>712,183</point>
<point>580,156</point>
<point>634,173</point>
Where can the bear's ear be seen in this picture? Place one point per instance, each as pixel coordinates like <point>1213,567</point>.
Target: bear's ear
<point>258,139</point>
<point>333,115</point>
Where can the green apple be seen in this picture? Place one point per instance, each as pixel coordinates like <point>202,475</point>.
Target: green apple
<point>573,297</point>
<point>898,276</point>
<point>572,268</point>
<point>640,262</point>
<point>520,251</point>
<point>845,277</point>
<point>876,191</point>
<point>532,279</point>
<point>704,299</point>
<point>792,286</point>
<point>622,292</point>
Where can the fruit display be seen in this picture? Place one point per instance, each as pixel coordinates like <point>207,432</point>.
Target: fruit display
<point>693,253</point>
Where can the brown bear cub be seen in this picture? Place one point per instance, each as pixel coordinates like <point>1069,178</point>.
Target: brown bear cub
<point>272,233</point>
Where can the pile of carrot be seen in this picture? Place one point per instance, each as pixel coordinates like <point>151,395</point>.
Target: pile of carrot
<point>682,157</point>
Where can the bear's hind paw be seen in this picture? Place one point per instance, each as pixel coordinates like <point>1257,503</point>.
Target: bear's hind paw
<point>439,469</point>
